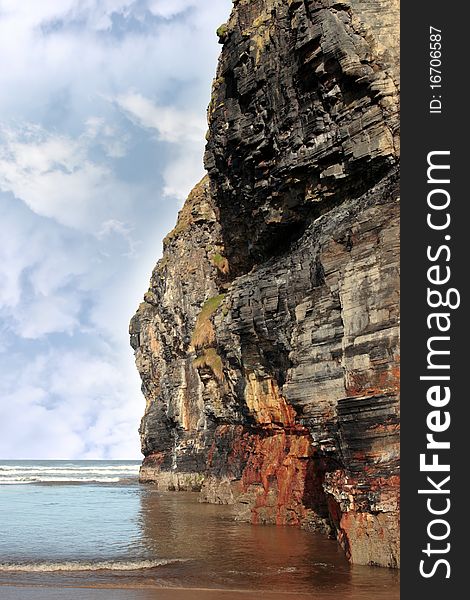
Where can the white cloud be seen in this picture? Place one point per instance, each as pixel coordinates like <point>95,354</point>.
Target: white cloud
<point>171,124</point>
<point>41,267</point>
<point>170,8</point>
<point>87,192</point>
<point>183,172</point>
<point>96,14</point>
<point>73,404</point>
<point>55,177</point>
<point>46,315</point>
<point>51,276</point>
<point>114,142</point>
<point>184,129</point>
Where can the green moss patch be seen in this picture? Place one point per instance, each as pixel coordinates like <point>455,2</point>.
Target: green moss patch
<point>222,31</point>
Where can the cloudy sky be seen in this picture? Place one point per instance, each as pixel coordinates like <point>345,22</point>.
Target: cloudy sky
<point>102,125</point>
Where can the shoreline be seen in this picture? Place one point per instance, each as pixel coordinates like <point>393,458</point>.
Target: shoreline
<point>204,553</point>
<point>142,592</point>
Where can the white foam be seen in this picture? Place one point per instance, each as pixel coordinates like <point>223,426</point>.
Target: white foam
<point>22,480</point>
<point>15,474</point>
<point>85,566</point>
<point>109,469</point>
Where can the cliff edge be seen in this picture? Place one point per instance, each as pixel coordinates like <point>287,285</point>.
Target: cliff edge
<point>268,341</point>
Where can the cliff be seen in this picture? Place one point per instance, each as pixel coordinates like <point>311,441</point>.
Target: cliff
<point>268,340</point>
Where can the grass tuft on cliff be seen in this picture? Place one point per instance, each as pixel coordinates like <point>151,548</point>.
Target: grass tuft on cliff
<point>204,334</point>
<point>211,360</point>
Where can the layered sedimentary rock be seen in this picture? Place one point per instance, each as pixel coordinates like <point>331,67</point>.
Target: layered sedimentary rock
<point>268,340</point>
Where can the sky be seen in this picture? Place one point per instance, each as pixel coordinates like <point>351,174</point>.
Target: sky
<point>102,132</point>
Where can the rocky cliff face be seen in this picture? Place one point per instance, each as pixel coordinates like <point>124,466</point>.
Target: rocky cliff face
<point>268,340</point>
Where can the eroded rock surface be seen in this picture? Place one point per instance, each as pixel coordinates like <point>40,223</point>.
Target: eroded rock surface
<point>268,340</point>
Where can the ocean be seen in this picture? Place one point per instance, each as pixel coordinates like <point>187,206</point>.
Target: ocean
<point>90,525</point>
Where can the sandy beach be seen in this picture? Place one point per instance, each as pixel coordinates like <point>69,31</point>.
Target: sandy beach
<point>47,593</point>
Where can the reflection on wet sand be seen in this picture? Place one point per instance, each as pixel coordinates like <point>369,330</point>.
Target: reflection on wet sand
<point>219,552</point>
<point>15,593</point>
<point>210,557</point>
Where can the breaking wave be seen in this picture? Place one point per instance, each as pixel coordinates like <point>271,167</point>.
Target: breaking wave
<point>19,474</point>
<point>25,480</point>
<point>104,565</point>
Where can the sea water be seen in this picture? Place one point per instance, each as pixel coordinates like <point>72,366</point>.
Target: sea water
<point>91,524</point>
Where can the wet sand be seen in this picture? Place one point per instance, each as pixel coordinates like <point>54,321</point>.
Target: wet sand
<point>47,593</point>
<point>131,542</point>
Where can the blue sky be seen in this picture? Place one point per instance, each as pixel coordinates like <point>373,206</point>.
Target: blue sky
<point>102,125</point>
